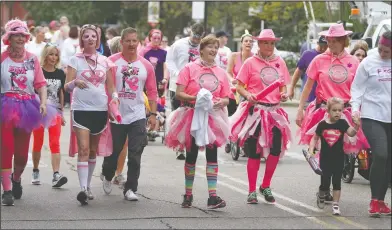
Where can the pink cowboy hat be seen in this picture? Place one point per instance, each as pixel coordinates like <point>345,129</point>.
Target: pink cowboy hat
<point>15,26</point>
<point>335,30</point>
<point>267,35</point>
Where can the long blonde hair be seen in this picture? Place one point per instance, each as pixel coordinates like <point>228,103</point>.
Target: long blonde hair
<point>48,48</point>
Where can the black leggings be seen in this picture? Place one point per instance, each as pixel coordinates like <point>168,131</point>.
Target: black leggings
<point>276,143</point>
<point>211,154</point>
<point>378,135</point>
<point>232,106</point>
<point>332,167</point>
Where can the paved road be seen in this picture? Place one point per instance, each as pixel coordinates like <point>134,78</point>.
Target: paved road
<point>161,187</point>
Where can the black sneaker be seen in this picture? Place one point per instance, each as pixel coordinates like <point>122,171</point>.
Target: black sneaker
<point>187,203</point>
<point>7,199</point>
<point>17,189</point>
<point>328,198</point>
<point>215,202</point>
<point>320,200</point>
<point>180,155</point>
<point>58,180</point>
<point>267,193</point>
<point>82,197</point>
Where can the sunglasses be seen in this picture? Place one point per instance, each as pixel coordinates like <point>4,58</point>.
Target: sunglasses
<point>130,68</point>
<point>19,29</point>
<point>49,44</point>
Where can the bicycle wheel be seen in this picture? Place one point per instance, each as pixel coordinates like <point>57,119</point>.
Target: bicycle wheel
<point>349,168</point>
<point>235,150</point>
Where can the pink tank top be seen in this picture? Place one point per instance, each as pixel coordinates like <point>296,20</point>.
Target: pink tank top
<point>237,64</point>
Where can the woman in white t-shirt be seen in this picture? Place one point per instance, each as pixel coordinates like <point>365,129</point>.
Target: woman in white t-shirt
<point>37,45</point>
<point>69,46</point>
<point>88,76</point>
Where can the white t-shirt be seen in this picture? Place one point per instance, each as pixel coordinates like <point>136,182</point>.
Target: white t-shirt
<point>180,54</point>
<point>68,49</point>
<point>222,57</point>
<point>35,48</point>
<point>93,98</point>
<point>130,86</point>
<point>21,76</point>
<point>371,89</point>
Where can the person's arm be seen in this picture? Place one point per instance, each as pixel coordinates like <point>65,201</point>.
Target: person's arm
<point>40,85</point>
<point>71,82</point>
<point>297,74</point>
<point>358,87</point>
<point>171,60</point>
<point>230,66</point>
<point>182,82</point>
<point>351,131</point>
<point>151,88</point>
<point>313,142</point>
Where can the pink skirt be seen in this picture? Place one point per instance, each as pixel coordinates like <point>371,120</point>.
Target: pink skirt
<point>243,126</point>
<point>314,116</point>
<point>179,128</point>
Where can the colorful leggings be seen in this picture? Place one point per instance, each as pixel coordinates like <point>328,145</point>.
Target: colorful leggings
<point>54,137</point>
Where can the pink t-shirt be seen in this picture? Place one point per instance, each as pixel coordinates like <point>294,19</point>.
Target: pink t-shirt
<point>195,76</point>
<point>130,86</point>
<point>257,74</point>
<point>333,75</point>
<point>21,76</point>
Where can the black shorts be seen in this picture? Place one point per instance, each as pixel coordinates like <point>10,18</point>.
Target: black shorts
<point>95,121</point>
<point>232,106</point>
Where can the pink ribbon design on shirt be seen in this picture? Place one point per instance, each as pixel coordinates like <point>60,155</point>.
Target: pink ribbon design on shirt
<point>94,79</point>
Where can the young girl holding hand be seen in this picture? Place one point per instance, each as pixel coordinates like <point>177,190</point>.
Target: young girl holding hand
<point>331,132</point>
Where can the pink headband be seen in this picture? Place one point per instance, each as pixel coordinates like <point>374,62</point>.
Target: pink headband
<point>385,41</point>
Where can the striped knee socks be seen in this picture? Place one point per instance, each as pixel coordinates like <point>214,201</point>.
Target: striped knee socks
<point>212,177</point>
<point>189,177</point>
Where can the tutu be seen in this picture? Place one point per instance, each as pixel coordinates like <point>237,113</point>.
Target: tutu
<point>314,116</point>
<point>22,111</point>
<point>243,125</point>
<point>179,128</point>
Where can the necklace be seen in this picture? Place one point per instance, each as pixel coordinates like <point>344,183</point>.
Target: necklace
<point>207,64</point>
<point>96,63</point>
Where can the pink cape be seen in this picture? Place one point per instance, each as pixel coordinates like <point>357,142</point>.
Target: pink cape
<point>243,126</point>
<point>314,116</point>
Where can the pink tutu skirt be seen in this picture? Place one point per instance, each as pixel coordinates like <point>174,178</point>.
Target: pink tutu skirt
<point>179,128</point>
<point>314,116</point>
<point>22,111</point>
<point>244,124</point>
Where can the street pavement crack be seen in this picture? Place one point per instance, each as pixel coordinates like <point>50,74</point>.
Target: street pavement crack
<point>167,225</point>
<point>171,202</point>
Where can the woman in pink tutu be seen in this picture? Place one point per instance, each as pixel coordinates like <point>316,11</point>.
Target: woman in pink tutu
<point>262,123</point>
<point>197,77</point>
<point>334,72</point>
<point>89,78</point>
<point>21,110</point>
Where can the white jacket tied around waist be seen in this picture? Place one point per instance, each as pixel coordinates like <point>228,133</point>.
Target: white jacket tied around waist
<point>199,124</point>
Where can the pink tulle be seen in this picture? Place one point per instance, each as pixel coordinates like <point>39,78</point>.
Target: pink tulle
<point>179,128</point>
<point>243,125</point>
<point>314,116</point>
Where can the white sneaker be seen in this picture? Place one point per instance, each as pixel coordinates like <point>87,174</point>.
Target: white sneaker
<point>130,195</point>
<point>335,209</point>
<point>90,195</point>
<point>36,179</point>
<point>107,186</point>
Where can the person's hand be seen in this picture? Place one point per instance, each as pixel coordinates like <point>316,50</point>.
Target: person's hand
<point>291,93</point>
<point>164,81</point>
<point>219,105</point>
<point>63,122</point>
<point>356,117</point>
<point>42,109</point>
<point>234,81</point>
<point>152,120</point>
<point>300,117</point>
<point>251,98</point>
<point>80,84</point>
<point>283,97</point>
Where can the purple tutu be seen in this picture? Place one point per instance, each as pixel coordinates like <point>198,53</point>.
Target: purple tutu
<point>22,111</point>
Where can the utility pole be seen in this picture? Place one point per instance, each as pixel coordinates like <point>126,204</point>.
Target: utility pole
<point>205,17</point>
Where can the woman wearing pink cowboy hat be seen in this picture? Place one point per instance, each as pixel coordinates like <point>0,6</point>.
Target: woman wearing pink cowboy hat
<point>21,110</point>
<point>262,122</point>
<point>334,72</point>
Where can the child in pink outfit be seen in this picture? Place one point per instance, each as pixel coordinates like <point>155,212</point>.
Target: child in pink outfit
<point>263,123</point>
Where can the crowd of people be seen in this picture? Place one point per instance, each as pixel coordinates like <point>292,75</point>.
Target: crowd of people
<point>216,96</point>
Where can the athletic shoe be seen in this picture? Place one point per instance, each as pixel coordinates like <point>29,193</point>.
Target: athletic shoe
<point>384,209</point>
<point>7,199</point>
<point>335,209</point>
<point>130,195</point>
<point>17,189</point>
<point>107,186</point>
<point>328,198</point>
<point>82,197</point>
<point>180,155</point>
<point>36,179</point>
<point>252,198</point>
<point>215,202</point>
<point>320,200</point>
<point>58,180</point>
<point>374,209</point>
<point>90,195</point>
<point>187,202</point>
<point>267,193</point>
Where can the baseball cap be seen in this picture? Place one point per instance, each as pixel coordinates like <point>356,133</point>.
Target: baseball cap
<point>221,34</point>
<point>322,40</point>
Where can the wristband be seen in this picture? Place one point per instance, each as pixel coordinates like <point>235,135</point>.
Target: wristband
<point>115,95</point>
<point>154,114</point>
<point>71,86</point>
